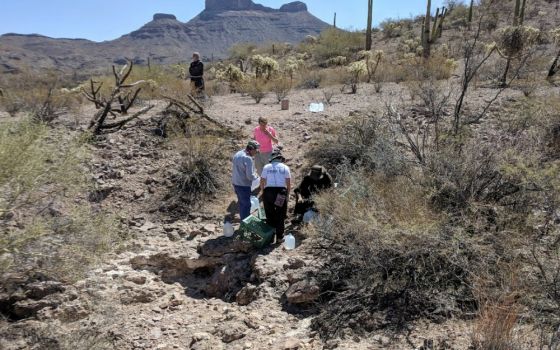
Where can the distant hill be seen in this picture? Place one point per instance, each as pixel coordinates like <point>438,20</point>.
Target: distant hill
<point>165,39</point>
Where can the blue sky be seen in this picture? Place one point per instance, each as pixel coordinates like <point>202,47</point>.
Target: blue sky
<point>100,20</point>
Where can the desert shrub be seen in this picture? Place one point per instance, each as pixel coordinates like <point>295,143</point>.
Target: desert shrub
<point>292,66</point>
<point>310,80</point>
<point>334,42</point>
<point>199,174</point>
<point>495,327</point>
<point>391,29</point>
<point>328,94</point>
<point>280,87</point>
<point>44,95</point>
<point>336,61</point>
<point>360,140</point>
<point>40,179</point>
<point>255,88</point>
<point>387,262</point>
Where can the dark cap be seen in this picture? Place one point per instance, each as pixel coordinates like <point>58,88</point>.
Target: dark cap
<point>277,155</point>
<point>317,172</point>
<point>253,145</point>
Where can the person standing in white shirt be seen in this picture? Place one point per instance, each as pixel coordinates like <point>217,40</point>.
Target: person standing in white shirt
<point>276,186</point>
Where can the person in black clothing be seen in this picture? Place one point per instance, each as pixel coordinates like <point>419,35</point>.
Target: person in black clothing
<point>196,71</point>
<point>317,180</point>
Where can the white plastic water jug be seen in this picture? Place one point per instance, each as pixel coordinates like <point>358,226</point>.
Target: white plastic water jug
<point>316,107</point>
<point>256,183</point>
<point>254,204</point>
<point>228,229</point>
<point>289,242</point>
<point>309,216</point>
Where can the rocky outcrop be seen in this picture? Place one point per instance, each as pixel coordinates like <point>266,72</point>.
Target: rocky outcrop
<point>233,5</point>
<point>165,40</point>
<point>296,6</point>
<point>160,16</point>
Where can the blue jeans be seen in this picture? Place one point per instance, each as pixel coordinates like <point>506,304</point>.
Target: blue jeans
<point>244,200</point>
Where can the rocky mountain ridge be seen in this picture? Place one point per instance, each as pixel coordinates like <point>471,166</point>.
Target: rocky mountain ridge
<point>165,40</point>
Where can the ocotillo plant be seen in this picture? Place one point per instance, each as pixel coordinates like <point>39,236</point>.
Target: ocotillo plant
<point>430,34</point>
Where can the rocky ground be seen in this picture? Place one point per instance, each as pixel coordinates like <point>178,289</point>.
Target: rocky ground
<point>178,284</point>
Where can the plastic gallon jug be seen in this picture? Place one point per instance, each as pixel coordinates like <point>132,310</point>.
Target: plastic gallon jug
<point>256,183</point>
<point>309,216</point>
<point>254,204</point>
<point>316,107</point>
<point>289,242</point>
<point>228,229</point>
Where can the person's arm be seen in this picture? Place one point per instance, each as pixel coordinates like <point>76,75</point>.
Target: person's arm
<point>263,183</point>
<point>288,181</point>
<point>272,134</point>
<point>249,173</point>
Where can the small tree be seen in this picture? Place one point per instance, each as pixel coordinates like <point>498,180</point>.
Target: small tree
<point>121,95</point>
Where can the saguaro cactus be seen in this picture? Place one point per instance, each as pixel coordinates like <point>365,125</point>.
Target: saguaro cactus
<point>519,12</point>
<point>369,24</point>
<point>430,33</point>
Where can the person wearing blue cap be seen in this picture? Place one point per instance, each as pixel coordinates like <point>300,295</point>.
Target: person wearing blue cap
<point>243,175</point>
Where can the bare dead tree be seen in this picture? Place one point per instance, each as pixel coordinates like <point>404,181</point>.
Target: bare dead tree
<point>474,58</point>
<point>121,95</point>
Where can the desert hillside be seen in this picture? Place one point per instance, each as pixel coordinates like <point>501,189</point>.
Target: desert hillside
<point>442,232</point>
<point>165,40</point>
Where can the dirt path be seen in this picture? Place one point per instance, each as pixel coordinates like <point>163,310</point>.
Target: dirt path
<point>154,294</point>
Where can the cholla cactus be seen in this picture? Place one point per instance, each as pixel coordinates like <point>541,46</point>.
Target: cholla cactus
<point>356,70</point>
<point>372,59</point>
<point>337,61</point>
<point>292,65</point>
<point>555,33</point>
<point>264,64</point>
<point>230,73</point>
<point>412,45</point>
<point>512,42</point>
<point>310,39</point>
<point>180,71</point>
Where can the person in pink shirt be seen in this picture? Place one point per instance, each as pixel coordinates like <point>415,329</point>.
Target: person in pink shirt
<point>266,136</point>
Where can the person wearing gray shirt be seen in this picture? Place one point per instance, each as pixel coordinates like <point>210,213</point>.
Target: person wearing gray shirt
<point>243,175</point>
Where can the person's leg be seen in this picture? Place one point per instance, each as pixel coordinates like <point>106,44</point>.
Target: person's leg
<point>244,200</point>
<point>269,197</point>
<point>261,159</point>
<point>282,214</point>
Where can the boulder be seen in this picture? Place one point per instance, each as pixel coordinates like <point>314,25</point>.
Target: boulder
<point>246,295</point>
<point>302,292</point>
<point>228,279</point>
<point>222,246</point>
<point>39,290</point>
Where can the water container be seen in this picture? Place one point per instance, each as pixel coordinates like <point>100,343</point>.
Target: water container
<point>316,107</point>
<point>254,204</point>
<point>289,242</point>
<point>256,183</point>
<point>309,216</point>
<point>228,229</point>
